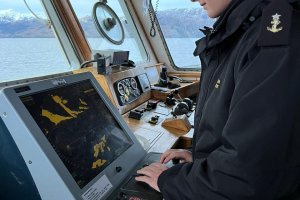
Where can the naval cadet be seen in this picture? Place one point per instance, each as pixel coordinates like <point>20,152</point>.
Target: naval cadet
<point>246,140</point>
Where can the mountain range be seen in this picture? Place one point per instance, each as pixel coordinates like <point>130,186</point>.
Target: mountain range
<point>176,23</point>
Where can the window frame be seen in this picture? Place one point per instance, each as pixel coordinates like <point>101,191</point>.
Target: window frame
<point>68,32</point>
<point>128,13</point>
<point>142,42</point>
<point>166,48</point>
<point>71,35</point>
<point>71,57</point>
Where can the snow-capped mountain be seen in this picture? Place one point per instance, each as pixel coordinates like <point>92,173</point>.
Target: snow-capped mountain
<point>11,16</point>
<point>14,24</point>
<point>183,23</point>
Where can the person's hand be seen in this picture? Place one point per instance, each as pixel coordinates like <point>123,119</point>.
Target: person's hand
<point>150,174</point>
<point>181,154</point>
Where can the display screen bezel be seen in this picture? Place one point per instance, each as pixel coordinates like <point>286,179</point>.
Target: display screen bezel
<point>129,159</point>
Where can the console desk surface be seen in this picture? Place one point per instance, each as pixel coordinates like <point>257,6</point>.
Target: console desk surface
<point>154,137</point>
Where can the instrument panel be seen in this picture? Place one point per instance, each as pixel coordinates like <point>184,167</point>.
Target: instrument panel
<point>130,88</point>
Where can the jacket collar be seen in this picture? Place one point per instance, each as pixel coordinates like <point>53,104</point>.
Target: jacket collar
<point>229,22</point>
<point>237,13</point>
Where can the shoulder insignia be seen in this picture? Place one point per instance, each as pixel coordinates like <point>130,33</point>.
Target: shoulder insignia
<point>275,25</point>
<point>275,22</point>
<point>218,83</point>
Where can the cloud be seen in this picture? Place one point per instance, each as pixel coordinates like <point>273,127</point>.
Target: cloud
<point>83,7</point>
<point>19,5</point>
<point>165,4</point>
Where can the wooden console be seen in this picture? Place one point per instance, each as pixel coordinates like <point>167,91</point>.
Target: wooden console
<point>153,137</point>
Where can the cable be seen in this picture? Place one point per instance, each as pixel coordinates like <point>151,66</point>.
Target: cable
<point>46,21</point>
<point>153,19</point>
<point>87,62</point>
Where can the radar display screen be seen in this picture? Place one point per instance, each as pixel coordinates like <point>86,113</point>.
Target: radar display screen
<point>80,128</point>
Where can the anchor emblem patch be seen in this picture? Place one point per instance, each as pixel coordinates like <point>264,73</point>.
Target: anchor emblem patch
<point>275,22</point>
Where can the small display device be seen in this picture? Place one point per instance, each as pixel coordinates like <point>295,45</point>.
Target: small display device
<point>117,57</point>
<point>120,57</point>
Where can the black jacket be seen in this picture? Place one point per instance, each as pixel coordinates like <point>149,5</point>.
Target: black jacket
<point>246,143</point>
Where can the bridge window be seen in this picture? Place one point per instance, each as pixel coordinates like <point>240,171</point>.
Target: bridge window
<point>28,47</point>
<point>180,22</point>
<point>132,41</point>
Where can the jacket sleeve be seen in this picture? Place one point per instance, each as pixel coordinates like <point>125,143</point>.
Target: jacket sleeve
<point>260,139</point>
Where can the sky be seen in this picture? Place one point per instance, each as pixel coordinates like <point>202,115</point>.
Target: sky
<point>35,5</point>
<point>19,5</point>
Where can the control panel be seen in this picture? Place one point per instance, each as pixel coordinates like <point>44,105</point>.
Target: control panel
<point>130,88</point>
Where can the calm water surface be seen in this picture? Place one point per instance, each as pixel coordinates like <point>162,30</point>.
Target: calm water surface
<point>31,57</point>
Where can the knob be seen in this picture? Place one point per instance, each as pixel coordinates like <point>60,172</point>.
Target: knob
<point>118,169</point>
